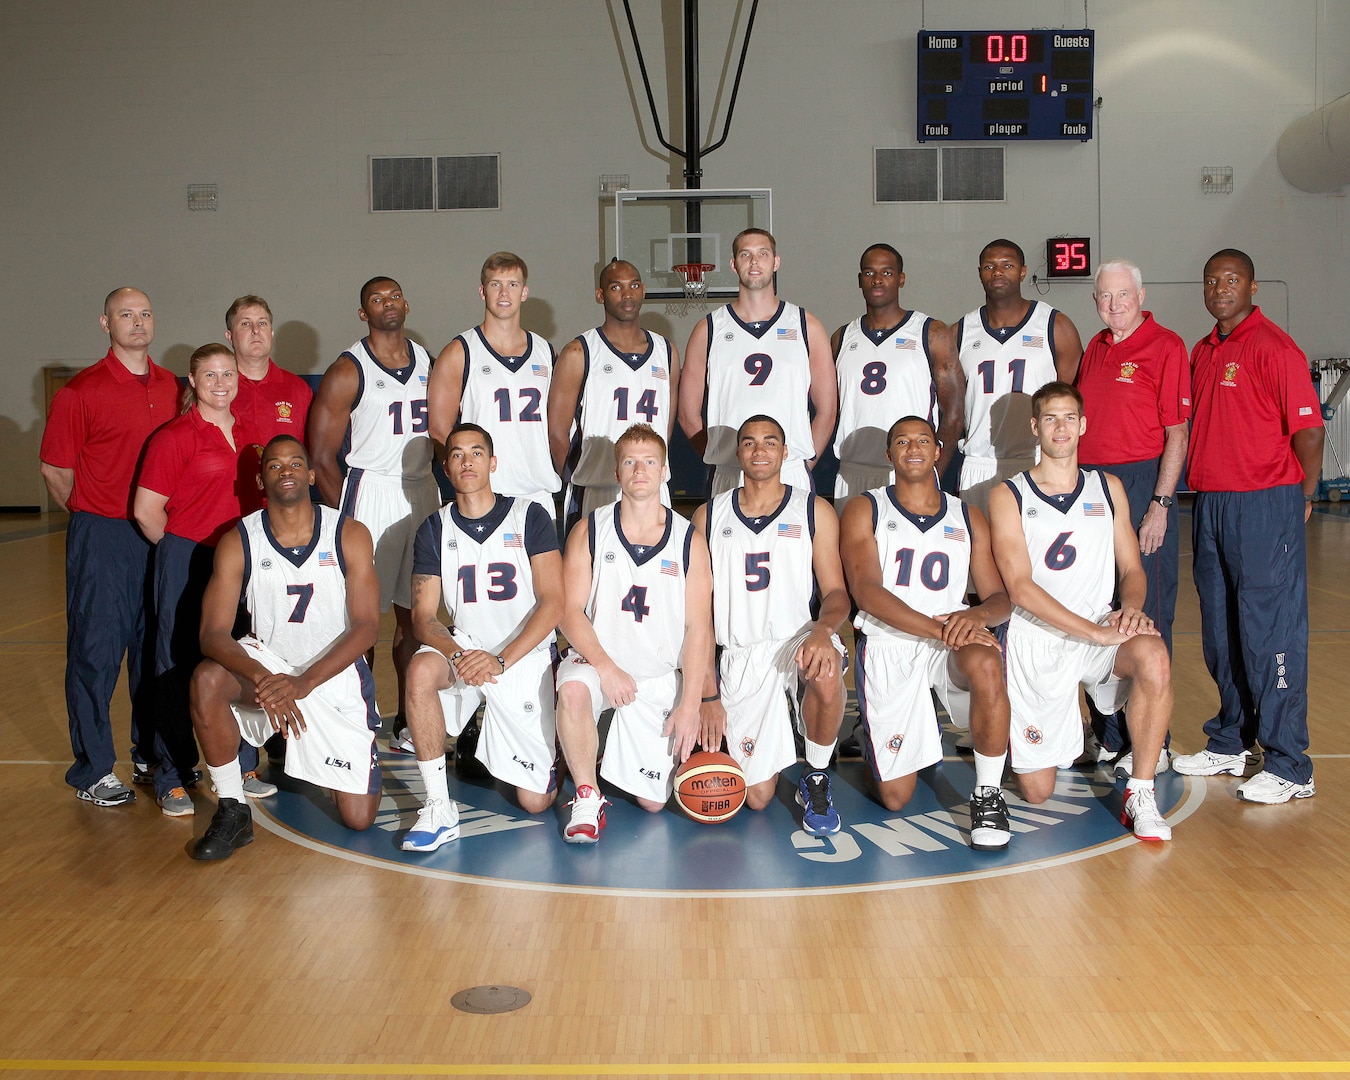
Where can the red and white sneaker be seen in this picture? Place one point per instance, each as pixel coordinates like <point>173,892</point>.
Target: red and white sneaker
<point>588,816</point>
<point>1142,815</point>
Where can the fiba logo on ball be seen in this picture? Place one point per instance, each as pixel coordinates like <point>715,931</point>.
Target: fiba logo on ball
<point>1033,734</point>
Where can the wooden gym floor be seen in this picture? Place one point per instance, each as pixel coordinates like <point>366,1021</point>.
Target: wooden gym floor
<point>1225,952</point>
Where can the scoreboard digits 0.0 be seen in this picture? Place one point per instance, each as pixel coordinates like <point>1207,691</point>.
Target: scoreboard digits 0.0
<point>1003,85</point>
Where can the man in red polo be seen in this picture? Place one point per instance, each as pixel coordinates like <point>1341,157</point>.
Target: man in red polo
<point>1255,458</point>
<point>271,400</point>
<point>1135,378</point>
<point>97,429</point>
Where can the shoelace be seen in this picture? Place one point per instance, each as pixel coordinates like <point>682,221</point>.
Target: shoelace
<point>818,793</point>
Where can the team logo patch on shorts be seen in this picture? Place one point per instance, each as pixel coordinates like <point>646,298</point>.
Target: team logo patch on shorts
<point>895,743</point>
<point>748,747</point>
<point>1033,734</point>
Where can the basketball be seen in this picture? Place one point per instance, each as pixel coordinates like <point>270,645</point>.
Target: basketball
<point>710,787</point>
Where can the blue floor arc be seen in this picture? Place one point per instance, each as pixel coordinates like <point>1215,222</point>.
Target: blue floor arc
<point>755,854</point>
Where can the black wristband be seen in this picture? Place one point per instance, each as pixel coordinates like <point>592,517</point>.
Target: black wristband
<point>715,697</point>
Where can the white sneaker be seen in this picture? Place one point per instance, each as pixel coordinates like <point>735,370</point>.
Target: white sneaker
<point>1142,815</point>
<point>1093,751</point>
<point>588,816</point>
<point>1266,787</point>
<point>437,824</point>
<point>400,742</point>
<point>1208,763</point>
<point>1125,766</point>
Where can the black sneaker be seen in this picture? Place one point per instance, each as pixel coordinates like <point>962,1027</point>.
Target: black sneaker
<point>230,828</point>
<point>989,820</point>
<point>467,765</point>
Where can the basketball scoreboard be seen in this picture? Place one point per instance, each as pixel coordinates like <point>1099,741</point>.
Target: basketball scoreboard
<point>1004,85</point>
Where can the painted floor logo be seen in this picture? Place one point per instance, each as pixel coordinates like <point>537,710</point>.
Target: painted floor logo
<point>753,853</point>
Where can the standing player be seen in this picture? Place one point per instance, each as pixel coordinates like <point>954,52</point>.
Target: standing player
<point>606,379</point>
<point>1007,348</point>
<point>1136,385</point>
<point>494,559</point>
<point>97,429</point>
<point>758,356</point>
<point>638,619</point>
<point>916,632</point>
<point>497,376</point>
<point>376,391</point>
<point>890,362</point>
<point>775,550</point>
<point>307,576</point>
<point>1061,535</point>
<point>1255,458</point>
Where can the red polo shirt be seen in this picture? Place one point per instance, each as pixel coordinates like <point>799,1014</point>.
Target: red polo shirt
<point>98,426</point>
<point>1252,391</point>
<point>1132,390</point>
<point>190,461</point>
<point>276,404</point>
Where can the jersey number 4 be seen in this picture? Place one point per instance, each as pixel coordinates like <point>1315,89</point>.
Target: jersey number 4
<point>635,603</point>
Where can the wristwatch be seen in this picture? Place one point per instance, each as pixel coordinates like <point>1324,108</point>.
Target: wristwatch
<point>1164,501</point>
<point>502,660</point>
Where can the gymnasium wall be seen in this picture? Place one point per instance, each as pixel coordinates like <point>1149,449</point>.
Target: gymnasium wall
<point>111,110</point>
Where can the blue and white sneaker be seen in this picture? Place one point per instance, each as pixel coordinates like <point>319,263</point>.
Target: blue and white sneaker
<point>437,825</point>
<point>819,817</point>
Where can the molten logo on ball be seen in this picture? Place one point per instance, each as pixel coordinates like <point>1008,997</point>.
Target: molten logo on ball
<point>710,787</point>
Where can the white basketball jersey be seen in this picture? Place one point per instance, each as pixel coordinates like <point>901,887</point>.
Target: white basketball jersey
<point>486,577</point>
<point>618,390</point>
<point>882,376</point>
<point>763,578</point>
<point>389,419</point>
<point>1071,542</point>
<point>1003,369</point>
<point>756,368</point>
<point>508,397</point>
<point>297,597</point>
<point>637,593</point>
<point>924,560</point>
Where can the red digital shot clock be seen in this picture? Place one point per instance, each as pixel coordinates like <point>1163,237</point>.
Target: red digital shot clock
<point>1068,257</point>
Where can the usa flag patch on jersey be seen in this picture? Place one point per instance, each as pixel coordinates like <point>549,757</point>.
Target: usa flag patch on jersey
<point>326,559</point>
<point>658,372</point>
<point>787,333</point>
<point>1033,341</point>
<point>668,566</point>
<point>1094,509</point>
<point>950,533</point>
<point>906,343</point>
<point>513,540</point>
<point>792,532</point>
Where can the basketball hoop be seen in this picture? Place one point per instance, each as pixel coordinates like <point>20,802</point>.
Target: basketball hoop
<point>695,288</point>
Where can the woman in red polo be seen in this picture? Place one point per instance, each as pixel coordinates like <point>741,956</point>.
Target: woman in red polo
<point>200,471</point>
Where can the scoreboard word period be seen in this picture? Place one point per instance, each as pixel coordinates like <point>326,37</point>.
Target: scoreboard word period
<point>1005,85</point>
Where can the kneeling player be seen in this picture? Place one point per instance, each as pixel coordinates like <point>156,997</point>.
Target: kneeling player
<point>638,618</point>
<point>774,550</point>
<point>495,560</point>
<point>908,551</point>
<point>307,575</point>
<point>1059,542</point>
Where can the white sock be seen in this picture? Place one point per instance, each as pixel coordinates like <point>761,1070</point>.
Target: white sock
<point>433,776</point>
<point>818,756</point>
<point>989,769</point>
<point>228,780</point>
<point>1134,784</point>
